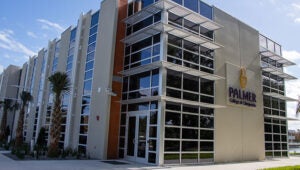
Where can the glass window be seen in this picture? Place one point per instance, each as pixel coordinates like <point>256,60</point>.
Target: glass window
<point>206,135</point>
<point>92,38</point>
<point>88,75</point>
<point>83,129</point>
<point>192,57</point>
<point>85,110</point>
<point>207,87</point>
<point>82,139</point>
<point>91,47</point>
<point>206,146</point>
<point>190,83</point>
<point>174,40</point>
<point>156,50</point>
<point>89,65</point>
<point>172,145</point>
<point>207,111</point>
<point>157,17</point>
<point>190,133</point>
<point>86,100</point>
<point>146,53</point>
<point>174,19</point>
<point>138,106</point>
<point>95,18</point>
<point>172,133</point>
<point>90,56</point>
<point>173,106</point>
<point>142,44</point>
<point>139,81</point>
<point>93,30</point>
<point>174,93</point>
<point>87,87</point>
<point>174,79</point>
<point>192,5</point>
<point>206,122</point>
<point>190,120</point>
<point>192,27</point>
<point>205,10</point>
<point>191,46</point>
<point>174,51</point>
<point>155,78</point>
<point>190,146</point>
<point>146,3</point>
<point>172,119</point>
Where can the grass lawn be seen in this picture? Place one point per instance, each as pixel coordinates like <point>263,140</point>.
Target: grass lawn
<point>285,168</point>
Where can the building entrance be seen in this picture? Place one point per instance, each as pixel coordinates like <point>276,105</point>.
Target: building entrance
<point>137,137</point>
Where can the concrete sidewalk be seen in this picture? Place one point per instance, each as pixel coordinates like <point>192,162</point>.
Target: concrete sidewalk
<point>9,164</point>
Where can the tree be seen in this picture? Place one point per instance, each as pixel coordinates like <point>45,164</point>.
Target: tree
<point>25,98</point>
<point>60,85</point>
<point>7,105</point>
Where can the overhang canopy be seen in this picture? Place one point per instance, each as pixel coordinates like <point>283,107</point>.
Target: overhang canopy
<point>276,71</point>
<point>277,58</point>
<point>279,96</point>
<point>160,27</point>
<point>171,66</point>
<point>173,7</point>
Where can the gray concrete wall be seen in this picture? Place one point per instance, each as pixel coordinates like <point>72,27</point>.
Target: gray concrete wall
<point>239,131</point>
<point>102,79</point>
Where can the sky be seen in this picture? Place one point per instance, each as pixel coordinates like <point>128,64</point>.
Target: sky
<point>26,26</point>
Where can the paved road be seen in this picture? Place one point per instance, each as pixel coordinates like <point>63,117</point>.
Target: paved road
<point>9,164</point>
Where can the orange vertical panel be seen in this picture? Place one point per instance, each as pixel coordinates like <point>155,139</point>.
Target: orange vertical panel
<point>115,106</point>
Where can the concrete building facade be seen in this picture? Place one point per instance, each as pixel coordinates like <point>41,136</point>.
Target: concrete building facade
<point>163,82</point>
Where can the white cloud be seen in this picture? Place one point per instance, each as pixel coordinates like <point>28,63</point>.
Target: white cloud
<point>48,25</point>
<point>296,6</point>
<point>291,55</point>
<point>31,34</point>
<point>297,20</point>
<point>8,42</point>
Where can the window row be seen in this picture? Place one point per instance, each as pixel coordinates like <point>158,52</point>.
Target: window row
<point>274,63</point>
<point>141,85</point>
<point>190,83</point>
<point>142,57</point>
<point>275,138</point>
<point>182,23</point>
<point>278,129</point>
<point>274,103</point>
<point>177,158</point>
<point>188,146</point>
<point>275,146</point>
<point>143,24</point>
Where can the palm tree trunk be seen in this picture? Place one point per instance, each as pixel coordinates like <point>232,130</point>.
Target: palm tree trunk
<point>55,128</point>
<point>3,125</point>
<point>19,132</point>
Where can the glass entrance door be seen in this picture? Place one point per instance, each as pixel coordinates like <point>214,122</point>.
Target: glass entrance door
<point>137,138</point>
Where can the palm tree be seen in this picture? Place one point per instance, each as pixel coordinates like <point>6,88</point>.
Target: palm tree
<point>25,98</point>
<point>7,105</point>
<point>60,85</point>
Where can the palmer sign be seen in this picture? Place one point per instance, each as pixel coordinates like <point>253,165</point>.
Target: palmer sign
<point>240,96</point>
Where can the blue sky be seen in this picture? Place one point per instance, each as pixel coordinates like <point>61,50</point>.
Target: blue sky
<point>27,25</point>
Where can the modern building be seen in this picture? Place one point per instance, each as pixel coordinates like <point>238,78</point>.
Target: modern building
<point>9,80</point>
<point>163,82</point>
